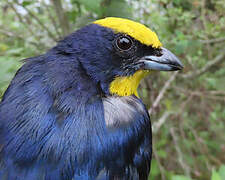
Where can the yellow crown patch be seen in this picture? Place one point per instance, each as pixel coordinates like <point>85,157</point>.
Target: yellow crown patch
<point>134,29</point>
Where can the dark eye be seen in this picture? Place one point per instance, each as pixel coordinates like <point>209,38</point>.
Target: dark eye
<point>124,43</point>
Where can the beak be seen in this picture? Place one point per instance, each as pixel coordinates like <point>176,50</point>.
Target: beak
<point>166,62</point>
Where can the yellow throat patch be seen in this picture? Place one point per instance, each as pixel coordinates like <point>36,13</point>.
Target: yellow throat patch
<point>126,86</point>
<point>134,29</point>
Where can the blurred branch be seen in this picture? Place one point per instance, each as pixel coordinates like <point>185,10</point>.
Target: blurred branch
<point>162,92</point>
<point>216,40</point>
<point>161,168</point>
<point>63,20</point>
<point>10,34</point>
<point>189,60</point>
<point>216,95</point>
<point>218,59</point>
<point>52,20</point>
<point>157,125</point>
<point>22,19</point>
<point>201,145</point>
<point>204,22</point>
<point>51,35</point>
<point>185,167</point>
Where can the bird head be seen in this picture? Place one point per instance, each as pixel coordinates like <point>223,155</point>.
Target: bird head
<point>118,53</point>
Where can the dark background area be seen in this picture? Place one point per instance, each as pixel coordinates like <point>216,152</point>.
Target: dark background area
<point>187,108</point>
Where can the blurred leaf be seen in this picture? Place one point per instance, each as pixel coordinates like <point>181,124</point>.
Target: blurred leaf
<point>3,47</point>
<point>91,5</point>
<point>222,172</point>
<point>162,153</point>
<point>144,92</point>
<point>215,175</point>
<point>15,51</point>
<point>154,170</point>
<point>168,104</point>
<point>180,177</point>
<point>117,8</point>
<point>26,3</point>
<point>83,20</point>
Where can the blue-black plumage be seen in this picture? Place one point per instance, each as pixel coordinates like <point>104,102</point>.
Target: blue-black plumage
<point>59,119</point>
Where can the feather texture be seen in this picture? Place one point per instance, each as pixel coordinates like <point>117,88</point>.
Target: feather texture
<point>58,120</point>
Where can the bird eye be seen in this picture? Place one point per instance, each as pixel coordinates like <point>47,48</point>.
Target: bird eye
<point>124,43</point>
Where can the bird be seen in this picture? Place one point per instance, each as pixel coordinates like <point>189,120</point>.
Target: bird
<point>74,113</point>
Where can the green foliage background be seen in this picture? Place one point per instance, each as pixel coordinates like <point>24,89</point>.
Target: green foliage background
<point>187,108</point>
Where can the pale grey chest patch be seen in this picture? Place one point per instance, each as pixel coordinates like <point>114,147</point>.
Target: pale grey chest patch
<point>119,111</point>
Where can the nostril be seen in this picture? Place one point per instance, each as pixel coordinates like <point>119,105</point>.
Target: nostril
<point>158,52</point>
